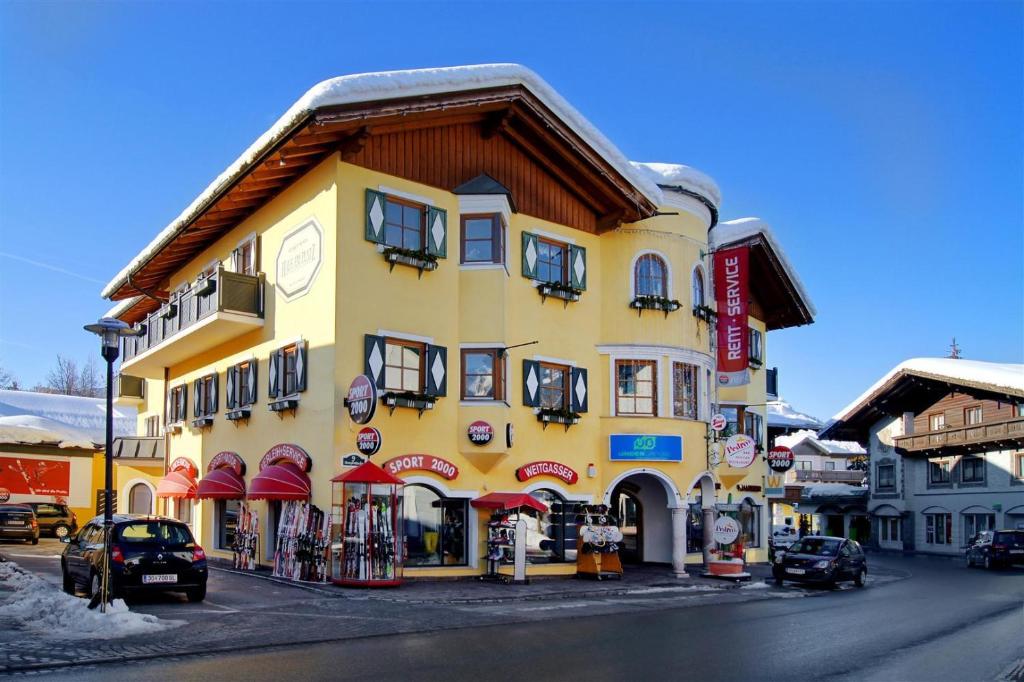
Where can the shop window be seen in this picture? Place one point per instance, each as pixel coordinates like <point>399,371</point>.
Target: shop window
<point>756,350</point>
<point>749,516</point>
<point>650,276</point>
<point>226,519</point>
<point>183,510</point>
<point>885,477</point>
<point>554,382</point>
<point>976,523</point>
<point>551,536</point>
<point>482,239</point>
<point>938,472</point>
<point>176,404</point>
<point>403,224</point>
<point>695,527</point>
<point>936,422</point>
<point>140,499</point>
<point>972,415</point>
<point>435,528</point>
<point>938,529</point>
<point>244,258</point>
<point>204,396</point>
<point>403,365</point>
<point>698,286</point>
<point>482,374</point>
<point>684,390</point>
<point>636,388</point>
<point>972,469</point>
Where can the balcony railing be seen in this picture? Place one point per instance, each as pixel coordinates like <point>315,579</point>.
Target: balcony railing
<point>975,434</point>
<point>828,476</point>
<point>229,302</point>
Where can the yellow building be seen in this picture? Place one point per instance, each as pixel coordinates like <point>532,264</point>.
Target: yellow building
<point>466,239</point>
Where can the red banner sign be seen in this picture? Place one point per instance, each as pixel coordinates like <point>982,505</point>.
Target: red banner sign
<point>546,468</point>
<point>289,453</point>
<point>441,467</point>
<point>227,460</point>
<point>24,476</point>
<point>732,276</point>
<point>184,464</point>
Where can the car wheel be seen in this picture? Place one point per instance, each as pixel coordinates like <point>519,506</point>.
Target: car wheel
<point>861,577</point>
<point>987,563</point>
<point>95,586</point>
<point>60,532</point>
<point>196,594</point>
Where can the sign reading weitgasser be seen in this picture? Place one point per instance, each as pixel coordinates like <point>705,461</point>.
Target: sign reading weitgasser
<point>632,447</point>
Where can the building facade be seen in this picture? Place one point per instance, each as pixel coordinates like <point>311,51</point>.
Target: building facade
<point>535,311</point>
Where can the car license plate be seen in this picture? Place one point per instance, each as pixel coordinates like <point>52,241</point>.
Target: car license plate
<point>161,578</point>
<point>796,571</point>
<point>15,523</point>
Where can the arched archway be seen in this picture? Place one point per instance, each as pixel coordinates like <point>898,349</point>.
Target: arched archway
<point>649,503</point>
<point>701,517</point>
<point>138,497</point>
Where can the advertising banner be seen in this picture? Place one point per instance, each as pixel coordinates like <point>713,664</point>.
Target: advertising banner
<point>731,291</point>
<point>645,448</point>
<point>24,476</point>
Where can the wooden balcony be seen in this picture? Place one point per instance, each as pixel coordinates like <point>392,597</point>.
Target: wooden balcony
<point>1006,433</point>
<point>210,312</point>
<point>829,476</point>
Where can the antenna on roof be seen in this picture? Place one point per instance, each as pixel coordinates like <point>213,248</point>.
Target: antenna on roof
<point>954,350</point>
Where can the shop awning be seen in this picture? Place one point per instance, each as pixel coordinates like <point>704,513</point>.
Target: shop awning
<point>177,484</point>
<point>221,484</point>
<point>368,472</point>
<point>281,481</point>
<point>508,501</point>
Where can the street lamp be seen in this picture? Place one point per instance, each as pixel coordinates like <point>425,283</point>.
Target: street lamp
<point>110,330</point>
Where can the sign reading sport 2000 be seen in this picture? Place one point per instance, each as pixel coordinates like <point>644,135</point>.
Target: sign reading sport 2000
<point>632,447</point>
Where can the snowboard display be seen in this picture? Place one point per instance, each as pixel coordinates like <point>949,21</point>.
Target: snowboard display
<point>245,546</point>
<point>301,548</point>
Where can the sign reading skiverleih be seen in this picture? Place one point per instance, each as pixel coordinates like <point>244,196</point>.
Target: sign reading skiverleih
<point>632,447</point>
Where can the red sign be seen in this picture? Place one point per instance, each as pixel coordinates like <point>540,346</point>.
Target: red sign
<point>731,291</point>
<point>780,458</point>
<point>546,468</point>
<point>24,476</point>
<point>441,467</point>
<point>480,433</point>
<point>361,400</point>
<point>289,453</point>
<point>184,463</point>
<point>227,460</point>
<point>368,441</point>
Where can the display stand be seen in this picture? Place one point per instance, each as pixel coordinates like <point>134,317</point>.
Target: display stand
<point>597,544</point>
<point>506,535</point>
<point>301,550</point>
<point>246,545</point>
<point>366,536</point>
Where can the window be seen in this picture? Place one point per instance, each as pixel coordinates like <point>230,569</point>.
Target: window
<point>830,466</point>
<point>889,528</point>
<point>552,261</point>
<point>908,423</point>
<point>972,415</point>
<point>753,426</point>
<point>435,528</point>
<point>750,523</point>
<point>244,257</point>
<point>241,380</point>
<point>698,286</point>
<point>403,224</point>
<point>938,472</point>
<point>551,536</point>
<point>936,422</point>
<point>1018,465</point>
<point>482,375</point>
<point>803,464</point>
<point>287,372</point>
<point>650,277</point>
<point>140,499</point>
<point>176,405</point>
<point>636,387</point>
<point>152,426</point>
<point>183,510</point>
<point>403,365</point>
<point>482,239</point>
<point>886,476</point>
<point>756,346</point>
<point>972,469</point>
<point>205,396</point>
<point>976,523</point>
<point>290,356</point>
<point>226,512</point>
<point>554,380</point>
<point>1018,410</point>
<point>684,390</point>
<point>938,529</point>
<point>732,416</point>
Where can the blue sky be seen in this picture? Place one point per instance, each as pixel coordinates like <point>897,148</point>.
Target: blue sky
<point>883,142</point>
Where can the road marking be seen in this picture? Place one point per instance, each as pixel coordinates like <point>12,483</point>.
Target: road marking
<point>322,615</point>
<point>33,556</point>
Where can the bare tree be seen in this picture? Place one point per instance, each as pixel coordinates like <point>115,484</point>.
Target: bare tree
<point>7,381</point>
<point>89,382</point>
<point>64,377</point>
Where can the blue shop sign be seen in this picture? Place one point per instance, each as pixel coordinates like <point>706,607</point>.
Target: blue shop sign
<point>632,447</point>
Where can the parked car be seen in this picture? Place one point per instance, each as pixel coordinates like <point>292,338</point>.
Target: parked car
<point>55,519</point>
<point>996,548</point>
<point>821,559</point>
<point>148,553</point>
<point>18,522</point>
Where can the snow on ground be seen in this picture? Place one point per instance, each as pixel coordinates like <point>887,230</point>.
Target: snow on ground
<point>755,586</point>
<point>42,609</point>
<point>680,588</point>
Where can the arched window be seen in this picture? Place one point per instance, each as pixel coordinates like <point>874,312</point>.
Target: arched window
<point>651,276</point>
<point>435,528</point>
<point>140,499</point>
<point>698,286</point>
<point>551,537</point>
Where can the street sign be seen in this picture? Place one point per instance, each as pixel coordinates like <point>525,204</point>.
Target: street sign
<point>727,529</point>
<point>480,433</point>
<point>352,459</point>
<point>780,459</point>
<point>739,451</point>
<point>361,400</point>
<point>368,441</point>
<point>718,422</point>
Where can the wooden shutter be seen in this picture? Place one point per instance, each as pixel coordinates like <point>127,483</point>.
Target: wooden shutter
<point>437,232</point>
<point>274,383</point>
<point>373,359</point>
<point>252,381</point>
<point>577,267</point>
<point>437,370</point>
<point>531,383</point>
<point>182,401</point>
<point>230,381</point>
<point>211,400</point>
<point>300,365</point>
<point>374,216</point>
<point>578,389</point>
<point>530,255</point>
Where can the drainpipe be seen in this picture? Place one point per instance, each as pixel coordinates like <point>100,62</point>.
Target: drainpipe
<point>167,436</point>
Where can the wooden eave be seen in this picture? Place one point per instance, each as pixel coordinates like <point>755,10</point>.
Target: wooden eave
<point>511,111</point>
<point>772,287</point>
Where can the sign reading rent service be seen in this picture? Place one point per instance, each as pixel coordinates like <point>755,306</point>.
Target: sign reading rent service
<point>731,279</point>
<point>631,447</point>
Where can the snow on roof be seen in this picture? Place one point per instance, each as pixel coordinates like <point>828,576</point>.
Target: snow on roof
<point>30,430</point>
<point>122,306</point>
<point>833,490</point>
<point>995,374</point>
<point>839,448</point>
<point>384,85</point>
<point>675,175</point>
<point>743,228</point>
<point>782,414</point>
<point>84,417</point>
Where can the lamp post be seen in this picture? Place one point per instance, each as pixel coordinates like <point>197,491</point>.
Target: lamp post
<point>110,330</point>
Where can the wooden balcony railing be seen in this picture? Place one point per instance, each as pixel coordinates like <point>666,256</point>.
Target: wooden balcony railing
<point>976,434</point>
<point>828,476</point>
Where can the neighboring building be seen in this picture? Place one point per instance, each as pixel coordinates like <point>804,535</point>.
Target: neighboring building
<point>468,241</point>
<point>783,419</point>
<point>946,444</point>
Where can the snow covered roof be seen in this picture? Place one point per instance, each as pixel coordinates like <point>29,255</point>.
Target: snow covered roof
<point>782,414</point>
<point>833,490</point>
<point>65,418</point>
<point>382,86</point>
<point>836,448</point>
<point>668,175</point>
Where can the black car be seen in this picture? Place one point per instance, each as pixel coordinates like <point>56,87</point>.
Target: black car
<point>148,553</point>
<point>18,522</point>
<point>55,519</point>
<point>821,559</point>
<point>996,548</point>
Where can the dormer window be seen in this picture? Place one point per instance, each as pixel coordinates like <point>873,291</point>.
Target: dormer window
<point>482,239</point>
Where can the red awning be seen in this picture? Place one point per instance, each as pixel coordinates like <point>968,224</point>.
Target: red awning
<point>281,481</point>
<point>508,501</point>
<point>221,484</point>
<point>367,472</point>
<point>177,484</point>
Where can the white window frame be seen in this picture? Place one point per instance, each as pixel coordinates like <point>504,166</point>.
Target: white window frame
<point>661,354</point>
<point>498,402</point>
<point>251,237</point>
<point>669,284</point>
<point>704,278</point>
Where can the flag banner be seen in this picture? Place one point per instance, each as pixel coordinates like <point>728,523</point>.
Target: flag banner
<point>731,291</point>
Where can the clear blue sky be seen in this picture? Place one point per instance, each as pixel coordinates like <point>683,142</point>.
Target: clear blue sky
<point>883,142</point>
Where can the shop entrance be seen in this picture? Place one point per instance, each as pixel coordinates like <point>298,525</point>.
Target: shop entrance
<point>640,504</point>
<point>860,529</point>
<point>628,510</point>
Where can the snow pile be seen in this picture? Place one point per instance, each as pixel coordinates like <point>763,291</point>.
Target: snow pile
<point>781,413</point>
<point>755,586</point>
<point>679,589</point>
<point>833,490</point>
<point>843,448</point>
<point>998,375</point>
<point>83,415</point>
<point>43,609</point>
<point>668,175</point>
<point>29,430</point>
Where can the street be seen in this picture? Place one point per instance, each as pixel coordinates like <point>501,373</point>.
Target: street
<point>919,618</point>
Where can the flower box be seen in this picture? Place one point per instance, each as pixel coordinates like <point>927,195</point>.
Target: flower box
<point>206,286</point>
<point>641,303</point>
<point>239,414</point>
<point>174,428</point>
<point>756,363</point>
<point>562,291</point>
<point>421,260</point>
<point>284,404</point>
<point>169,311</point>
<point>703,312</point>
<point>416,401</point>
<point>566,418</point>
<point>202,422</point>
